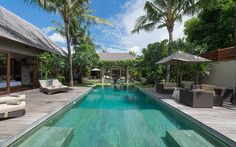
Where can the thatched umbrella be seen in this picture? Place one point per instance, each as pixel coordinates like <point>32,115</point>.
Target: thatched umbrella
<point>182,58</point>
<point>95,69</point>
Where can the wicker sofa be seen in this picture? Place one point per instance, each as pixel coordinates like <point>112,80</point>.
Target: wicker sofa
<point>166,88</point>
<point>197,98</point>
<point>207,96</point>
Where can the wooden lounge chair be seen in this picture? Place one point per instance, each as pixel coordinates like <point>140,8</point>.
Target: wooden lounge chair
<point>12,106</point>
<point>12,110</point>
<point>196,98</point>
<point>4,99</point>
<point>52,86</point>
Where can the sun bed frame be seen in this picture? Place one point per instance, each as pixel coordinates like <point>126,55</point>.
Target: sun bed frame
<point>11,111</point>
<point>52,86</point>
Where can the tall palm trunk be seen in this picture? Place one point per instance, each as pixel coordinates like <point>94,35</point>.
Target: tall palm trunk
<point>235,26</point>
<point>67,31</point>
<point>235,41</point>
<point>170,31</point>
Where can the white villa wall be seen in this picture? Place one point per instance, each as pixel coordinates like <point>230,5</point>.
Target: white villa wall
<point>222,74</point>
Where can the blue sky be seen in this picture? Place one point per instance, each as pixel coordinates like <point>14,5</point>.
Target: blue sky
<point>122,13</point>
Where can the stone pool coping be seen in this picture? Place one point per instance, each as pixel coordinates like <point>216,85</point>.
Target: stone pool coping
<point>200,124</point>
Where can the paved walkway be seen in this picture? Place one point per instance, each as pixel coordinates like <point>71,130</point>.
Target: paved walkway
<point>38,105</point>
<point>221,119</point>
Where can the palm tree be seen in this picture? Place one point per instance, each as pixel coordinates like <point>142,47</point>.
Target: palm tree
<point>164,13</point>
<point>67,9</point>
<point>79,29</point>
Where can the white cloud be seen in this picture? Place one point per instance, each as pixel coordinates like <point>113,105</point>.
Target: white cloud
<point>120,35</point>
<point>56,37</point>
<point>47,30</point>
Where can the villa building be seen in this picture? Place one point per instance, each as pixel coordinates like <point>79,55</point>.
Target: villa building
<point>111,70</point>
<point>20,43</point>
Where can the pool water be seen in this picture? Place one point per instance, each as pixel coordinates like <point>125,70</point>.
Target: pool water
<point>120,116</point>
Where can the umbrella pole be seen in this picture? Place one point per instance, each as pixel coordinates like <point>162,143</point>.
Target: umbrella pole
<point>177,75</point>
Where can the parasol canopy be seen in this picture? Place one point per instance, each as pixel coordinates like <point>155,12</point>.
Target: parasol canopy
<point>183,58</point>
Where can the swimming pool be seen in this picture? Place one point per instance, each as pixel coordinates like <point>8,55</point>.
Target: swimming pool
<point>117,116</point>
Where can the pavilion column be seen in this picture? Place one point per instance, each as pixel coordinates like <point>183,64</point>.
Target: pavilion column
<point>35,73</point>
<point>120,73</point>
<point>127,75</point>
<point>8,74</point>
<point>102,72</point>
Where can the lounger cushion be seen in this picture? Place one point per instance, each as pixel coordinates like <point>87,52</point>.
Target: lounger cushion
<point>5,109</point>
<point>43,83</point>
<point>13,102</point>
<point>188,84</point>
<point>15,95</point>
<point>8,98</point>
<point>208,87</point>
<point>168,84</point>
<point>56,83</point>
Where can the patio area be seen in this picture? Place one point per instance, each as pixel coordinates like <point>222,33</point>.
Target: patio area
<point>221,119</point>
<point>39,106</point>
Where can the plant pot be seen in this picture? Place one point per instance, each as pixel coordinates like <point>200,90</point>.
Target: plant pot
<point>144,81</point>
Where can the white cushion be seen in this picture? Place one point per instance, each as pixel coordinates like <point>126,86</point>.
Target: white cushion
<point>188,84</point>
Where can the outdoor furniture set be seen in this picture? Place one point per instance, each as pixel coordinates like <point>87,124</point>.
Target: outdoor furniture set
<point>197,96</point>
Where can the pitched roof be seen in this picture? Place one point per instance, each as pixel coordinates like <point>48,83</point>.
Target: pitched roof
<point>105,56</point>
<point>17,29</point>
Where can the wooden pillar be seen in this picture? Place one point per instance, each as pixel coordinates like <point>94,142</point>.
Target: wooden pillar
<point>120,74</point>
<point>102,71</point>
<point>127,75</point>
<point>8,74</point>
<point>35,77</point>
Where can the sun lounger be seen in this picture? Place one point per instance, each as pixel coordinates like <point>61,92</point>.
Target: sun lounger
<point>52,86</point>
<point>12,109</point>
<point>18,97</point>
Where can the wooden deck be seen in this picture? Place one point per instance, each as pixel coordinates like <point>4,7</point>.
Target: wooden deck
<point>221,119</point>
<point>38,105</point>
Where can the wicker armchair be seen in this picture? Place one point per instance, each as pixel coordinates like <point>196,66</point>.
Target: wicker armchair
<point>196,98</point>
<point>166,88</point>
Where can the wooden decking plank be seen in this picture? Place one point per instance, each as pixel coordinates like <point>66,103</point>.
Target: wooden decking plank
<point>37,106</point>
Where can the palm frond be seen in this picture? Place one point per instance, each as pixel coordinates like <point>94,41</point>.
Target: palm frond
<point>161,26</point>
<point>96,19</point>
<point>142,20</point>
<point>43,4</point>
<point>146,27</point>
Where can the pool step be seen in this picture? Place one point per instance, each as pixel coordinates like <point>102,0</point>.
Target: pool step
<point>50,137</point>
<point>186,138</point>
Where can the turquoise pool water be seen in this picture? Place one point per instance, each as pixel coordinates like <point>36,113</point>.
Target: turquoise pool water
<point>123,116</point>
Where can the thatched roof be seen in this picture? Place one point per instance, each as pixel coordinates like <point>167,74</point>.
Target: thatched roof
<point>105,56</point>
<point>17,29</point>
